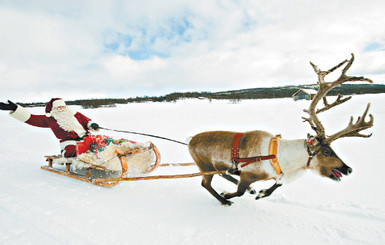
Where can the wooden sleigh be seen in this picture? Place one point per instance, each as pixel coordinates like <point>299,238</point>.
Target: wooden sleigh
<point>87,174</point>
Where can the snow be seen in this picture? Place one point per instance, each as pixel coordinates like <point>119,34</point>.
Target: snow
<point>39,207</point>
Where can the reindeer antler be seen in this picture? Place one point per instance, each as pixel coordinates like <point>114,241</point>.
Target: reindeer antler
<point>352,130</point>
<point>324,87</point>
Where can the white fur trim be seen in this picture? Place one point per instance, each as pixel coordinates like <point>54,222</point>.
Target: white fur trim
<point>89,125</point>
<point>66,143</point>
<point>58,103</point>
<point>80,131</point>
<point>21,114</point>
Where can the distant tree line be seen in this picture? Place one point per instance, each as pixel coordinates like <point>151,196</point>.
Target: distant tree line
<point>233,95</point>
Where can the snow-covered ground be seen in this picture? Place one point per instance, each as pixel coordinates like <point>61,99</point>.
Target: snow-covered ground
<point>38,207</point>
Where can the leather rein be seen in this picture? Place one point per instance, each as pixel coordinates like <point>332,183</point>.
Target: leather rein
<point>236,160</point>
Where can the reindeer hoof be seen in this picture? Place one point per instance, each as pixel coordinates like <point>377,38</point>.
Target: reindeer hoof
<point>252,192</point>
<point>226,203</point>
<point>262,194</point>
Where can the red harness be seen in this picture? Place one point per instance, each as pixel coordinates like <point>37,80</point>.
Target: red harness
<point>247,160</point>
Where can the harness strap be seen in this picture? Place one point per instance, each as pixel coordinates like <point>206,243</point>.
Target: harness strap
<point>273,151</point>
<point>311,154</point>
<point>248,160</point>
<point>235,148</point>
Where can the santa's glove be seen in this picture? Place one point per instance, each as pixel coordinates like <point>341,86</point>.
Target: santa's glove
<point>94,126</point>
<point>8,107</point>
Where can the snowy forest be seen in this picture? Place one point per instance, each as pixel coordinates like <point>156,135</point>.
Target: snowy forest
<point>233,95</point>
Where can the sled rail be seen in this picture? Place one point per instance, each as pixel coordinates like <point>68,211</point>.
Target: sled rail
<point>177,164</point>
<point>67,173</point>
<point>101,181</point>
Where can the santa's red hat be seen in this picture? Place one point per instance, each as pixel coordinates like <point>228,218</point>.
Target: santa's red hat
<point>53,103</point>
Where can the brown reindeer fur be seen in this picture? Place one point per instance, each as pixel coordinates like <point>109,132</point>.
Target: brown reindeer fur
<point>208,146</point>
<point>211,151</point>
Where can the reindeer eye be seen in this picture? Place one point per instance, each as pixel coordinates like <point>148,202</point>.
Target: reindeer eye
<point>327,152</point>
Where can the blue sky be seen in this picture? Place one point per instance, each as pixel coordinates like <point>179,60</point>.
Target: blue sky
<point>122,43</point>
<point>96,49</point>
<point>374,46</point>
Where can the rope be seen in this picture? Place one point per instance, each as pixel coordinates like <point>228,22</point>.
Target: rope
<point>179,176</point>
<point>150,135</point>
<point>177,164</point>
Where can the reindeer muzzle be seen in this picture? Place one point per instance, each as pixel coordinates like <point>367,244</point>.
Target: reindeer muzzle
<point>337,173</point>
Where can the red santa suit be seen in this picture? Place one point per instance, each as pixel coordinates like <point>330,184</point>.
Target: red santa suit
<point>67,137</point>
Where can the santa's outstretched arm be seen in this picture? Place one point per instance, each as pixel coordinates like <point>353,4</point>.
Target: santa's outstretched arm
<point>20,113</point>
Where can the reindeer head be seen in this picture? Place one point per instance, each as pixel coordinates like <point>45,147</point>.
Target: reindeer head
<point>324,160</point>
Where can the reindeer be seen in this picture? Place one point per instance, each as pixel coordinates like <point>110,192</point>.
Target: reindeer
<point>215,150</point>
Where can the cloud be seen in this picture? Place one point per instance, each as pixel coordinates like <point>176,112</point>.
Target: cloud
<point>130,70</point>
<point>84,49</point>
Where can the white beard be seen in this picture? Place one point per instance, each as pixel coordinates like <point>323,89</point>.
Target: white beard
<point>68,121</point>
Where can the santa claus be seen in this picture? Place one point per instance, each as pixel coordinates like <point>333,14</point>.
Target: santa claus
<point>67,126</point>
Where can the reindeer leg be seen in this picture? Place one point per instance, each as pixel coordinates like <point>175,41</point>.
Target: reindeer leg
<point>235,181</point>
<point>206,183</point>
<point>243,185</point>
<point>267,192</point>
